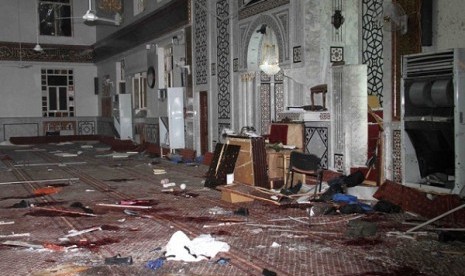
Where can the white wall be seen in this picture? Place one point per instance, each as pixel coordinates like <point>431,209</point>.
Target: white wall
<point>448,24</point>
<point>87,103</point>
<point>20,91</point>
<point>21,94</point>
<point>19,17</point>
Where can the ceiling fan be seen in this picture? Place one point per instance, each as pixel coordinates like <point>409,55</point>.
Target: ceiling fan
<point>393,18</point>
<point>91,16</point>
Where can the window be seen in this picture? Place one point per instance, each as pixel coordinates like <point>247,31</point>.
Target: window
<point>57,93</point>
<point>169,67</point>
<point>139,91</point>
<point>55,17</point>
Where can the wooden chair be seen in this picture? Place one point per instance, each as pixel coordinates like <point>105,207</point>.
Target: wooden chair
<point>307,164</point>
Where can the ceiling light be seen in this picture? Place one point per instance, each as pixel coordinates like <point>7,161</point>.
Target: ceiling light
<point>270,56</point>
<point>38,48</point>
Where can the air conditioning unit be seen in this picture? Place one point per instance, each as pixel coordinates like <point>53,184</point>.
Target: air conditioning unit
<point>432,123</point>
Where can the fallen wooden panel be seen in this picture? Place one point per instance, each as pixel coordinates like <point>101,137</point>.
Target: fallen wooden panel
<point>239,191</point>
<point>233,197</point>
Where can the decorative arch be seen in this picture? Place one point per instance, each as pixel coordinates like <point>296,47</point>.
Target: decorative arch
<point>256,24</point>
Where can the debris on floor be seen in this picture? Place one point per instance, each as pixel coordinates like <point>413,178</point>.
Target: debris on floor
<point>118,260</point>
<point>49,190</point>
<point>159,171</point>
<point>203,247</point>
<point>23,244</point>
<point>62,269</point>
<point>361,229</point>
<point>293,235</point>
<point>156,264</point>
<point>124,206</point>
<point>73,232</point>
<point>15,235</point>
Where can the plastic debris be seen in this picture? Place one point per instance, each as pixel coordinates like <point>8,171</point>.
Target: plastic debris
<point>118,260</point>
<point>46,191</point>
<point>159,171</point>
<point>223,261</point>
<point>275,245</point>
<point>167,185</point>
<point>155,264</point>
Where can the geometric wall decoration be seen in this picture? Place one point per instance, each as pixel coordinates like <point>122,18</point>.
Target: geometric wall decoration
<point>278,93</point>
<point>336,54</point>
<point>254,8</point>
<point>200,41</point>
<point>86,128</point>
<point>372,47</point>
<point>58,126</point>
<point>151,133</point>
<point>271,103</point>
<point>62,53</point>
<point>297,54</point>
<point>264,77</point>
<point>265,105</point>
<point>213,69</point>
<point>396,157</point>
<point>278,98</point>
<point>339,162</point>
<point>223,63</point>
<point>316,142</point>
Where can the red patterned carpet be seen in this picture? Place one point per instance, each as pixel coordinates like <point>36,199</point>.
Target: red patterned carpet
<point>49,190</point>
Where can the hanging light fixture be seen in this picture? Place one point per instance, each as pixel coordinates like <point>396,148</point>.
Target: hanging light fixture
<point>37,48</point>
<point>270,56</point>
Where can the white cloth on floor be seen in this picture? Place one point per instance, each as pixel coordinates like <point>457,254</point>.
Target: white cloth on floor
<point>181,248</point>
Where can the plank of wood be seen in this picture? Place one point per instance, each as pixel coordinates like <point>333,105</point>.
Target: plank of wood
<point>23,244</point>
<point>436,218</point>
<point>124,206</point>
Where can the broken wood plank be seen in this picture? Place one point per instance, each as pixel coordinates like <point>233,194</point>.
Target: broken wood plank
<point>267,225</point>
<point>124,206</point>
<point>64,211</point>
<point>50,164</point>
<point>23,244</point>
<point>40,181</point>
<point>222,224</point>
<point>13,235</point>
<point>77,233</point>
<point>337,221</point>
<point>304,231</point>
<point>449,229</point>
<point>436,218</point>
<point>288,218</point>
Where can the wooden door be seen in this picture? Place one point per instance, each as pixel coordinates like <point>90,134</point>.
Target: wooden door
<point>203,122</point>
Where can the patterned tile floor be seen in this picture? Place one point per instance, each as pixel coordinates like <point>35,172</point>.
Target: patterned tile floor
<point>280,239</point>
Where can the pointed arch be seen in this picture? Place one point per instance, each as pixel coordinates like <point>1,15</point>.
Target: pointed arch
<point>252,50</point>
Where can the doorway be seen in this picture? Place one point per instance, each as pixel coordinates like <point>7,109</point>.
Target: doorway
<point>203,101</point>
